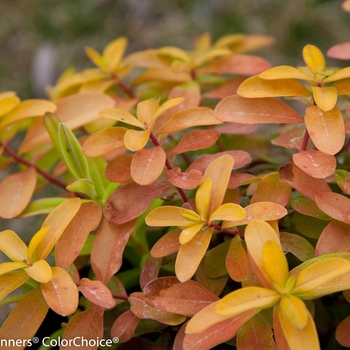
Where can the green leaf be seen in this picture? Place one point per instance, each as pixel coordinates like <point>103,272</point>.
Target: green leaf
<point>51,124</point>
<point>72,153</point>
<point>83,186</point>
<point>41,206</point>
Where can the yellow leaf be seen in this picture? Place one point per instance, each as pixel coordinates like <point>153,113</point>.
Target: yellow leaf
<point>318,274</point>
<point>146,110</point>
<point>245,299</point>
<point>258,87</point>
<point>325,97</point>
<point>8,103</point>
<point>27,109</point>
<point>167,105</point>
<point>257,233</point>
<point>190,255</point>
<point>326,129</point>
<point>314,59</point>
<point>190,215</point>
<point>189,232</point>
<point>13,246</point>
<point>135,140</point>
<point>275,264</point>
<point>219,172</point>
<point>114,52</point>
<point>33,244</point>
<point>57,220</point>
<point>122,116</point>
<point>16,190</point>
<point>228,211</point>
<point>203,199</point>
<point>95,57</point>
<point>297,339</point>
<point>341,74</point>
<point>174,52</point>
<point>285,72</point>
<point>40,271</point>
<point>11,266</point>
<point>11,281</point>
<point>295,310</point>
<point>167,216</point>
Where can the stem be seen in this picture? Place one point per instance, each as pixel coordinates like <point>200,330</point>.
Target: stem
<point>231,232</point>
<point>128,91</point>
<point>120,297</point>
<point>305,141</point>
<point>169,167</point>
<point>25,162</point>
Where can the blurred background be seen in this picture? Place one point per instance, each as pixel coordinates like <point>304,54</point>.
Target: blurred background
<point>40,39</point>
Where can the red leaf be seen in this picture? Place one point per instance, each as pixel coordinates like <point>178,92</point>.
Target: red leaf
<point>147,165</point>
<point>310,187</point>
<point>292,137</point>
<point>130,201</point>
<point>168,294</point>
<point>142,310</point>
<point>334,238</point>
<point>240,179</point>
<point>150,270</point>
<point>74,236</point>
<point>237,262</point>
<point>118,170</point>
<point>61,293</point>
<point>236,128</point>
<point>167,244</point>
<point>227,89</point>
<point>16,190</point>
<point>86,325</point>
<point>315,163</point>
<point>255,110</point>
<point>241,159</point>
<point>340,51</point>
<point>307,207</point>
<point>342,332</point>
<point>195,140</point>
<point>237,64</point>
<point>335,205</point>
<point>108,247</point>
<point>24,320</point>
<point>187,180</point>
<point>124,326</point>
<point>97,293</point>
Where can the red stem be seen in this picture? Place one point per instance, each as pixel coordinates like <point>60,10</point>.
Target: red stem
<point>231,232</point>
<point>169,167</point>
<point>305,141</point>
<point>25,162</point>
<point>128,91</point>
<point>120,297</point>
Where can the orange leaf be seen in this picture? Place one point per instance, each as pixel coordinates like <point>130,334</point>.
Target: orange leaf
<point>74,236</point>
<point>86,325</point>
<point>187,180</point>
<point>57,221</point>
<point>258,87</point>
<point>310,187</point>
<point>61,293</point>
<point>335,205</point>
<point>225,89</point>
<point>326,129</point>
<point>104,141</point>
<point>111,240</point>
<point>97,293</point>
<point>334,238</point>
<point>118,170</point>
<point>342,332</point>
<point>291,137</point>
<point>189,118</point>
<point>141,309</point>
<point>237,64</point>
<point>237,262</point>
<point>195,140</point>
<point>315,163</point>
<point>167,216</point>
<point>75,111</point>
<point>147,165</point>
<point>272,189</point>
<point>11,281</point>
<point>255,110</point>
<point>256,333</point>
<point>120,207</point>
<point>167,244</point>
<point>16,190</point>
<point>29,313</point>
<point>124,326</point>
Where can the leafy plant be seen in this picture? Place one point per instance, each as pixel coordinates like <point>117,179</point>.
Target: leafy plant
<point>177,221</point>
